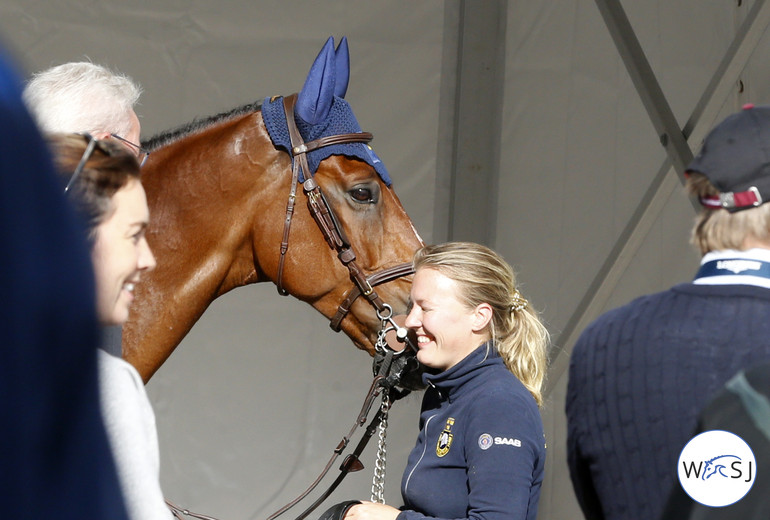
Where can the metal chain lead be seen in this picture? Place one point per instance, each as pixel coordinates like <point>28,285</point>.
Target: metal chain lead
<point>378,481</point>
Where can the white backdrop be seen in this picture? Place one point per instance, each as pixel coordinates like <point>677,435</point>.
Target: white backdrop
<point>252,403</point>
<point>255,398</point>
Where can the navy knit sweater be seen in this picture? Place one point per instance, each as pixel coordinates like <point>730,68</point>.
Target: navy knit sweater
<point>480,453</point>
<point>639,375</point>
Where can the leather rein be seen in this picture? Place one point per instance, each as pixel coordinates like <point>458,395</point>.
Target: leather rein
<point>324,216</point>
<point>389,364</point>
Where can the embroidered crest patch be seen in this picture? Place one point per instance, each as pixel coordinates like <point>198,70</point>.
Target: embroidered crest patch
<point>445,439</point>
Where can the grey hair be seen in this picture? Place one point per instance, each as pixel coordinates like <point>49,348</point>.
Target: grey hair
<point>82,97</point>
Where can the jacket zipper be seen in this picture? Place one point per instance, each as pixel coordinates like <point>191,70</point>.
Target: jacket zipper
<point>424,450</point>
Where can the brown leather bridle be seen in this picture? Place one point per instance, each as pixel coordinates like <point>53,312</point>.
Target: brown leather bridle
<point>387,377</point>
<point>324,216</point>
<point>389,364</point>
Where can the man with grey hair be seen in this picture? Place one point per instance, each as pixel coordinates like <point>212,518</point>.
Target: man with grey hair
<point>54,452</point>
<point>86,97</point>
<point>82,97</point>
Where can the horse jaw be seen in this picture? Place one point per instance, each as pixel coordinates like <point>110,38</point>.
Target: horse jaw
<point>361,324</point>
<point>381,235</point>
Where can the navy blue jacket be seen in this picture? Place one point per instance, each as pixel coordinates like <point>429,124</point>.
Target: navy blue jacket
<point>480,453</point>
<point>639,375</point>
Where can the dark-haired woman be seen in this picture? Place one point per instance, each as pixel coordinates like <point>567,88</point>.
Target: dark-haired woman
<point>102,181</point>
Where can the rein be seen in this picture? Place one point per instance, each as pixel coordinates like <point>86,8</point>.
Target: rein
<point>389,364</point>
<point>386,378</point>
<point>327,222</point>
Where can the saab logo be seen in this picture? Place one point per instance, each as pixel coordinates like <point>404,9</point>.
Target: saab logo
<point>717,468</point>
<point>738,266</point>
<point>486,441</point>
<point>507,441</point>
<point>445,439</point>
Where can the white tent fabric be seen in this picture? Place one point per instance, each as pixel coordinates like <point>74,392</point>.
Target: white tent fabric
<point>251,404</point>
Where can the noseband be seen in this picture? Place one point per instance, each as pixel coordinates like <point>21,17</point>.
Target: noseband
<point>324,216</point>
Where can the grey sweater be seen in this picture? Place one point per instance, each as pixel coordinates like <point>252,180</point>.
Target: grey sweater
<point>130,424</point>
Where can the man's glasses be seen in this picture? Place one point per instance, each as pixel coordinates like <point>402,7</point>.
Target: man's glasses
<point>141,153</point>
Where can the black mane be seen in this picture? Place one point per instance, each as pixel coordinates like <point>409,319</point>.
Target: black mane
<point>169,136</point>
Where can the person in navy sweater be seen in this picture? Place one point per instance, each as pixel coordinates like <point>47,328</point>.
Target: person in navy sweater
<point>55,459</point>
<point>640,374</point>
<point>480,453</point>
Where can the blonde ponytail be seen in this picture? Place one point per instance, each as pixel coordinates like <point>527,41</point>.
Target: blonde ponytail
<point>515,328</point>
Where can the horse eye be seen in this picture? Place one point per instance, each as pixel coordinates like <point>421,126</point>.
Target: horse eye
<point>362,195</point>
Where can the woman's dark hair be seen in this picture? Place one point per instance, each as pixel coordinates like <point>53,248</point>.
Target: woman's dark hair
<point>109,167</point>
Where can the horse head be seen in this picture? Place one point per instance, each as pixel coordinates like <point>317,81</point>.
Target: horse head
<point>225,199</point>
<point>711,468</point>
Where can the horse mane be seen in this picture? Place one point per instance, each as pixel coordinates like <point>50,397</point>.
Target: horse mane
<point>196,125</point>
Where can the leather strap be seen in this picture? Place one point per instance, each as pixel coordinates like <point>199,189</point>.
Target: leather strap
<point>326,219</point>
<point>384,276</point>
<point>288,107</point>
<point>179,512</point>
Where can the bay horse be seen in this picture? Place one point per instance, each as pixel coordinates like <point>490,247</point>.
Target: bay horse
<point>222,193</point>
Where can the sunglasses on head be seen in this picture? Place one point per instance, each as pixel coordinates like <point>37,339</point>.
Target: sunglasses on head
<point>94,143</point>
<point>83,160</point>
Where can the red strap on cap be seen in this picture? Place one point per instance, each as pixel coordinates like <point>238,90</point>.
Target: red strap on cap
<point>731,200</point>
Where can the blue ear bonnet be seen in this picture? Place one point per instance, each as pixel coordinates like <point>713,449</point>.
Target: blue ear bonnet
<point>340,120</point>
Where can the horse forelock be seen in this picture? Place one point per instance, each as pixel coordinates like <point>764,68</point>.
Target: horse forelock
<point>196,125</point>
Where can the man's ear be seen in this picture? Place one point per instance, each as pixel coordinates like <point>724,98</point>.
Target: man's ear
<point>482,315</point>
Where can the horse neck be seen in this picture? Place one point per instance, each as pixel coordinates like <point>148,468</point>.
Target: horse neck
<point>204,193</point>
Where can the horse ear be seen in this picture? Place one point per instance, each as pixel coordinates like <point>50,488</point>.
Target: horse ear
<point>342,62</point>
<point>317,94</point>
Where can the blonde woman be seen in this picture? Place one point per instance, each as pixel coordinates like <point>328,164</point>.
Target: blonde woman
<point>481,449</point>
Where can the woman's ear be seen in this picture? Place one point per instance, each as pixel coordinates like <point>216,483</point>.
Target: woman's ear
<point>482,315</point>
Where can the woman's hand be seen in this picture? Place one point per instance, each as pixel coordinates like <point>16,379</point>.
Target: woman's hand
<point>371,511</point>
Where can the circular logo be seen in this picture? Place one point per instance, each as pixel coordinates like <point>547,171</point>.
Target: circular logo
<point>717,468</point>
<point>485,441</point>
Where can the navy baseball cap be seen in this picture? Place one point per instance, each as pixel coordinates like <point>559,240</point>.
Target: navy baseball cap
<point>735,158</point>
